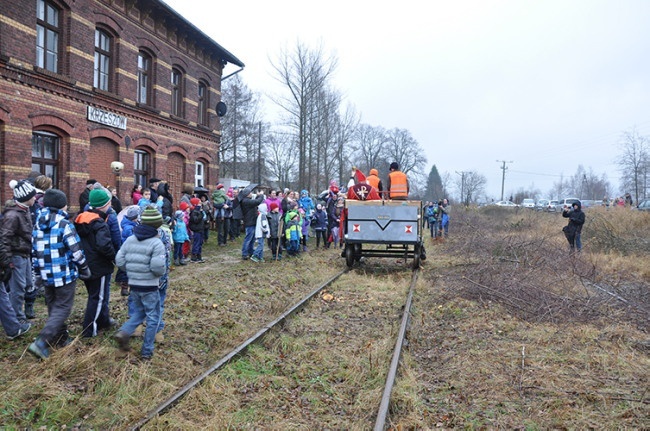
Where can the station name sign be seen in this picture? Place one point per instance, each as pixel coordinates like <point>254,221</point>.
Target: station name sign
<point>108,118</point>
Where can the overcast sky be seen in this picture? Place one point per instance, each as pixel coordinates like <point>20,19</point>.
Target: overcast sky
<point>547,85</point>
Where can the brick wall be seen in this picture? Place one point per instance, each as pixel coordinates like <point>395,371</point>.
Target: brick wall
<point>37,100</point>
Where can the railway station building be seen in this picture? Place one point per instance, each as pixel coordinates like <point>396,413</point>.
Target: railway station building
<point>120,91</point>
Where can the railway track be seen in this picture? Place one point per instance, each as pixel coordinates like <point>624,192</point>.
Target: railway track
<point>167,406</point>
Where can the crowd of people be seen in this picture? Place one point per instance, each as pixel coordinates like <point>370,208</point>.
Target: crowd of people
<point>44,249</point>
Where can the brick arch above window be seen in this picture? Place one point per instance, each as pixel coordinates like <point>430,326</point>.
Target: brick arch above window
<point>105,21</point>
<point>105,133</point>
<point>40,120</point>
<point>203,154</point>
<point>148,45</point>
<point>146,144</point>
<point>175,148</point>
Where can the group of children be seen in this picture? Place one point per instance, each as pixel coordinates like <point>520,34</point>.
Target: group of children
<point>38,234</point>
<point>436,218</point>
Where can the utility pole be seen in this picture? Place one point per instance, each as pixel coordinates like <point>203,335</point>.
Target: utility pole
<point>503,177</point>
<point>462,186</point>
<point>259,153</point>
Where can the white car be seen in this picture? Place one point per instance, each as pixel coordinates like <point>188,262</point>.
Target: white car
<point>506,204</point>
<point>528,203</point>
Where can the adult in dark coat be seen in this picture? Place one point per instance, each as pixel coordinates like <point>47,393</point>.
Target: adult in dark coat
<point>249,209</point>
<point>83,197</point>
<point>153,186</point>
<point>573,230</point>
<point>237,216</point>
<point>168,200</point>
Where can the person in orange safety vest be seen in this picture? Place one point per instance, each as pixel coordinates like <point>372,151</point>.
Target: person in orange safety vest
<point>398,183</point>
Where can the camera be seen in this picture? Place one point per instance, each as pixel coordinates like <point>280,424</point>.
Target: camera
<point>117,167</point>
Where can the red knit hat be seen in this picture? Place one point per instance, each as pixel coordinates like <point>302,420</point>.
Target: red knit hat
<point>274,206</point>
<point>195,201</point>
<point>183,206</point>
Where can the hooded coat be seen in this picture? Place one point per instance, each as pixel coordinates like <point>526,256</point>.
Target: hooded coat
<point>96,242</point>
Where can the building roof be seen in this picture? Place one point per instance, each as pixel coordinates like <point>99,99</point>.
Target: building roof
<point>223,52</point>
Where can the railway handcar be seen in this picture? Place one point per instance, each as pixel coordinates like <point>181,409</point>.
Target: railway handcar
<point>383,228</point>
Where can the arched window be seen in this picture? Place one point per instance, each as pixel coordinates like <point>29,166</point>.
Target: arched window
<point>103,57</point>
<point>45,155</point>
<point>48,31</point>
<point>203,104</point>
<point>177,92</point>
<point>145,78</point>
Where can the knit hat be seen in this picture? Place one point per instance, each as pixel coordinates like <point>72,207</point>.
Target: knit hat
<point>54,198</point>
<point>394,166</point>
<point>195,201</point>
<point>374,171</point>
<point>98,198</point>
<point>183,206</point>
<point>132,213</point>
<point>90,182</point>
<point>151,217</point>
<point>274,206</point>
<point>179,213</point>
<point>219,186</point>
<point>154,180</point>
<point>23,191</point>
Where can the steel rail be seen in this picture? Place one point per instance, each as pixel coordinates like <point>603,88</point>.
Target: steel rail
<point>380,423</point>
<point>164,406</point>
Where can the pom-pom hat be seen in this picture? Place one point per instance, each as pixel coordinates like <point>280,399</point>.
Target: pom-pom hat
<point>23,191</point>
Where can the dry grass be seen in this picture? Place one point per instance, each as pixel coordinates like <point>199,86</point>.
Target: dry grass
<point>508,331</point>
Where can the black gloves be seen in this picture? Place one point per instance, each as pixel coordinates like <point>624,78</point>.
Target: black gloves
<point>84,273</point>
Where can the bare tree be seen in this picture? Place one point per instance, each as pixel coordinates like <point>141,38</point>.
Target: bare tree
<point>305,73</point>
<point>281,159</point>
<point>370,145</point>
<point>239,129</point>
<point>633,162</point>
<point>470,185</point>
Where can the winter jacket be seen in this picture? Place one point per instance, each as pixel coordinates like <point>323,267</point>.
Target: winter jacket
<point>127,228</point>
<point>167,209</point>
<point>273,219</point>
<point>15,232</point>
<point>219,198</point>
<point>319,220</point>
<point>227,208</point>
<point>96,242</point>
<point>576,219</point>
<point>56,248</point>
<point>237,213</point>
<point>179,234</point>
<point>197,219</point>
<point>262,224</point>
<point>143,258</point>
<point>306,203</point>
<point>249,209</point>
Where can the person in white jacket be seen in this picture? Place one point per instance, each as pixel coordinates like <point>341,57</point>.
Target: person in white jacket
<point>262,232</point>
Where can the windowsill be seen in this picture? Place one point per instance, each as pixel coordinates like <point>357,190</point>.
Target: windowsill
<point>108,94</point>
<point>147,108</point>
<point>54,75</point>
<point>179,119</point>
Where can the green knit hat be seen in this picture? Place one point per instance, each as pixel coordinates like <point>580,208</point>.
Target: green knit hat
<point>98,198</point>
<point>151,217</point>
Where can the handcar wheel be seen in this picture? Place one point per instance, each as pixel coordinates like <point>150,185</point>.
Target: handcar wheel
<point>357,252</point>
<point>416,257</point>
<point>349,256</point>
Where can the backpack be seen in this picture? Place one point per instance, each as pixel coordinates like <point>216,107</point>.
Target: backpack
<point>196,216</point>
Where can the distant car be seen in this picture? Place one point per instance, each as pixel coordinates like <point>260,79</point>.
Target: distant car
<point>566,203</point>
<point>542,205</point>
<point>644,205</point>
<point>506,204</point>
<point>552,206</point>
<point>528,203</point>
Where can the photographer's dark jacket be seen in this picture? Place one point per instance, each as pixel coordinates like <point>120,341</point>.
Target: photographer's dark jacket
<point>576,219</point>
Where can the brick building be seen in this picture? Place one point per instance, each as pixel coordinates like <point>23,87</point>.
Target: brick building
<point>84,83</point>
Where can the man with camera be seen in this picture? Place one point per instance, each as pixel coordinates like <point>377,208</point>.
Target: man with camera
<point>573,230</point>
